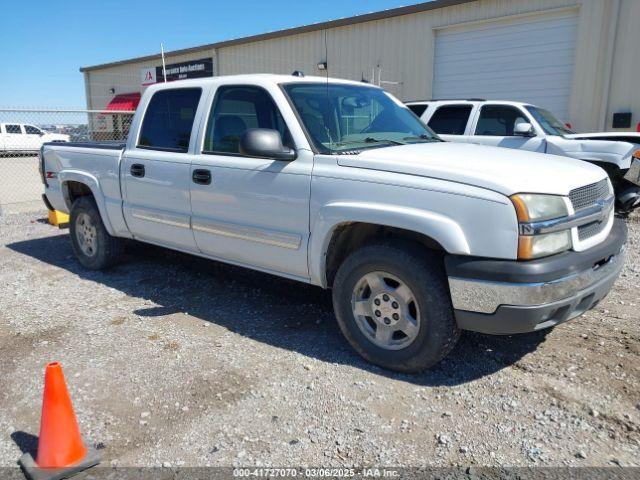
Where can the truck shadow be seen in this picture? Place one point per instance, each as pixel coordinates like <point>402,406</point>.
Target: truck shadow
<point>269,309</point>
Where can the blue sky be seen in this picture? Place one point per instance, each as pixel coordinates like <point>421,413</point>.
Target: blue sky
<point>43,42</point>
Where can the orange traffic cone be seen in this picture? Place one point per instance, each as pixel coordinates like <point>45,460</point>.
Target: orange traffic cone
<point>61,452</point>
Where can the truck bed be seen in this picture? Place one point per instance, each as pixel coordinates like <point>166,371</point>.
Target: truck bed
<point>94,164</point>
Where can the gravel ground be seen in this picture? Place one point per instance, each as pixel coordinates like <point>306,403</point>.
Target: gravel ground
<point>172,360</point>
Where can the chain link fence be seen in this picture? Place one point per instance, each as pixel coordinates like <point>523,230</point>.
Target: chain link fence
<point>24,130</point>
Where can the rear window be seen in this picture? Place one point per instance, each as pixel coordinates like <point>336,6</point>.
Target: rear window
<point>169,119</point>
<point>418,109</point>
<point>12,128</point>
<point>451,120</point>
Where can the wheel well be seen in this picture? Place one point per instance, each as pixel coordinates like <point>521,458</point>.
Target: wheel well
<point>75,190</point>
<point>349,237</point>
<point>614,172</point>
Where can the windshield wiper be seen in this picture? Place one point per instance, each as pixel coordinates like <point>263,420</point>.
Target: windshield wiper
<point>424,137</point>
<point>382,140</point>
<point>370,140</point>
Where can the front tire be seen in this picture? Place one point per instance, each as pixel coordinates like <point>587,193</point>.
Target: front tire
<point>91,243</point>
<point>393,306</point>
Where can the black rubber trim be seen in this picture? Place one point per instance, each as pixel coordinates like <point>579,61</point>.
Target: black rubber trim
<point>47,203</point>
<point>541,270</point>
<point>99,145</point>
<point>43,174</point>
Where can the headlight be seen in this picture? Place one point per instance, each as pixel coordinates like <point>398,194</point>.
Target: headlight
<point>537,208</point>
<point>531,209</point>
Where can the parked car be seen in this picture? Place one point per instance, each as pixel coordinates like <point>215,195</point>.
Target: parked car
<point>22,137</point>
<point>338,184</point>
<point>527,127</point>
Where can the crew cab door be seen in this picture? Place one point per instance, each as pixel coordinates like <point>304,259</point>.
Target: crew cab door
<point>494,126</point>
<point>247,210</point>
<point>156,171</point>
<point>451,122</point>
<point>14,137</point>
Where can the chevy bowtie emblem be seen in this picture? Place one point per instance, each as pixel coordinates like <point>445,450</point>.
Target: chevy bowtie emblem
<point>604,211</point>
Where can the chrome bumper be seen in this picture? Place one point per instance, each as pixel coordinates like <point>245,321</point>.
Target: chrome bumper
<point>483,296</point>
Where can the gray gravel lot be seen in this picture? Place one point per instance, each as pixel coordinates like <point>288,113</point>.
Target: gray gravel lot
<point>173,360</point>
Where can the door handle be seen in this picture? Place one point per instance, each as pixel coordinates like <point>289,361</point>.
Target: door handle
<point>201,177</point>
<point>137,170</point>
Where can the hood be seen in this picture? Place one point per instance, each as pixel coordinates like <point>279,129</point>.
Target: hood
<point>599,147</point>
<point>503,170</point>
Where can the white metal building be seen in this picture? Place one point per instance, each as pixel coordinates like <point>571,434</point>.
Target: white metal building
<point>577,58</point>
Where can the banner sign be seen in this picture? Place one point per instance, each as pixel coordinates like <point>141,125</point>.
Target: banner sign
<point>177,71</point>
<point>191,69</point>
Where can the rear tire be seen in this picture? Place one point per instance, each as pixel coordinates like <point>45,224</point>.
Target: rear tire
<point>91,243</point>
<point>393,306</point>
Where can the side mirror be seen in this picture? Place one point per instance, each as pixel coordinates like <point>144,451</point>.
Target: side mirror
<point>267,143</point>
<point>524,130</point>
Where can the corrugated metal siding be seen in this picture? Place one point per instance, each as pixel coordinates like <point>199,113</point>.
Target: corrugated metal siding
<point>625,83</point>
<point>283,55</point>
<point>589,76</point>
<point>400,49</point>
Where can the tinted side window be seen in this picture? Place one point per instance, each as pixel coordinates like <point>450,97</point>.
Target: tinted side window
<point>31,130</point>
<point>418,109</point>
<point>237,109</point>
<point>12,128</point>
<point>451,120</point>
<point>169,118</point>
<point>499,120</point>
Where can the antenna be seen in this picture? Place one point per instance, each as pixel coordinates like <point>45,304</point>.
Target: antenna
<point>326,57</point>
<point>164,69</point>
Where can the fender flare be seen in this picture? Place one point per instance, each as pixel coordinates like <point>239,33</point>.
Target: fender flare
<point>65,176</point>
<point>440,228</point>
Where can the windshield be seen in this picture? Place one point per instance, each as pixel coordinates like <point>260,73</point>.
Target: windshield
<point>342,118</point>
<point>550,124</point>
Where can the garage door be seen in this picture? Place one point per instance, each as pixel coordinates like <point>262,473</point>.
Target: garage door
<point>528,60</point>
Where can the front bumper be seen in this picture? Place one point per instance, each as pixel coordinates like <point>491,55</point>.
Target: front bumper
<point>506,297</point>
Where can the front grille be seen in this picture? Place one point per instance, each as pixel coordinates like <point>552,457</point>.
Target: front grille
<point>588,195</point>
<point>585,232</point>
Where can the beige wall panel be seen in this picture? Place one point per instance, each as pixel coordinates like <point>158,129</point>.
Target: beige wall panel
<point>625,81</point>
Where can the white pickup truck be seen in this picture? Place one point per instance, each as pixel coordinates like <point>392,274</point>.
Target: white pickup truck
<point>22,137</point>
<point>338,184</point>
<point>527,127</point>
